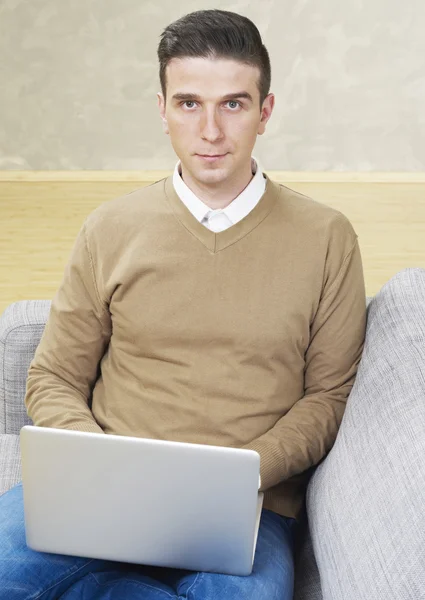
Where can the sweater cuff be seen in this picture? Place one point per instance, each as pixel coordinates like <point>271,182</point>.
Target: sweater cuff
<point>85,426</point>
<point>272,464</point>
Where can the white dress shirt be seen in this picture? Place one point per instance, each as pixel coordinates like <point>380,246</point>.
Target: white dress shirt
<point>222,218</point>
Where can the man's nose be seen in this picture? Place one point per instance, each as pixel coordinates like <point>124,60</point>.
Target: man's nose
<point>210,126</point>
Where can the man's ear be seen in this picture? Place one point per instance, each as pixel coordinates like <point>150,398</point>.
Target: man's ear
<point>266,112</point>
<point>161,105</point>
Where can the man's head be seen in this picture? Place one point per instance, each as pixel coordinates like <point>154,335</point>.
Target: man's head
<point>207,58</point>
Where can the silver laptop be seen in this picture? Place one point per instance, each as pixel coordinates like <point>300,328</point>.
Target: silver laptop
<point>140,501</point>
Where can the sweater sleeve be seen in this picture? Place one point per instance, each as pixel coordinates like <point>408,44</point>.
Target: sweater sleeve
<point>303,436</point>
<point>65,366</point>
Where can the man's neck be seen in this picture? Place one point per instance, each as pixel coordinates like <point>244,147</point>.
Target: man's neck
<point>218,195</point>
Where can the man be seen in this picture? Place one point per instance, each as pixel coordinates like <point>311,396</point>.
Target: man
<point>214,306</point>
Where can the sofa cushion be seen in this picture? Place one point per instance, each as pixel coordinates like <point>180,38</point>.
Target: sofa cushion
<point>10,462</point>
<point>21,327</point>
<point>307,578</point>
<point>365,502</point>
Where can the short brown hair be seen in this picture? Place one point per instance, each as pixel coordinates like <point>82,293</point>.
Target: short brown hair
<point>215,34</point>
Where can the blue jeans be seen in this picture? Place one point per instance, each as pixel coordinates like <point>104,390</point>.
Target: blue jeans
<point>29,575</point>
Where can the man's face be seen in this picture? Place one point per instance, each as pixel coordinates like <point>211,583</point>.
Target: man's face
<point>204,116</point>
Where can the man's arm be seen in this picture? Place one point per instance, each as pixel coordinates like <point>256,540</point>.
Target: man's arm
<point>302,437</point>
<point>66,362</point>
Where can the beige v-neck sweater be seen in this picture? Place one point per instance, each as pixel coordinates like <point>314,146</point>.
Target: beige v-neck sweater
<point>247,338</point>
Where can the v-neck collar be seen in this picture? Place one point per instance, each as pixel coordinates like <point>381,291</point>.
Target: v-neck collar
<point>218,241</point>
<point>237,209</point>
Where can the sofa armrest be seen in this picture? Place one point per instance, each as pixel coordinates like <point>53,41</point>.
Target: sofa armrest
<point>365,501</point>
<point>21,327</point>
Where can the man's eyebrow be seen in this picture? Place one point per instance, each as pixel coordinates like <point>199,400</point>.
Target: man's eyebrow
<point>196,98</point>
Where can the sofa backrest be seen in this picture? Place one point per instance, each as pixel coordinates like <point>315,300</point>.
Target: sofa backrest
<point>21,327</point>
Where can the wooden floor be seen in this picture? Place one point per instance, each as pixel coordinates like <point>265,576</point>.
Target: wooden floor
<point>40,219</point>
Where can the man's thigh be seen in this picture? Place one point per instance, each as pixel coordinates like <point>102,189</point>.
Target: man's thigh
<point>272,577</point>
<point>26,574</point>
<point>29,575</point>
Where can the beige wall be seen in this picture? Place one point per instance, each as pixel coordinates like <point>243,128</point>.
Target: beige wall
<point>78,83</point>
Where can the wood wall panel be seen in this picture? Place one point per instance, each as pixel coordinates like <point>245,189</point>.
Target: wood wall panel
<point>40,219</point>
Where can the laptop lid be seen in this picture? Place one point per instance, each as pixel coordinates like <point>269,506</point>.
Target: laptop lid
<point>141,501</point>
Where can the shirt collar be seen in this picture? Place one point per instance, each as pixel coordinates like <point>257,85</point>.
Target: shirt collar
<point>237,209</point>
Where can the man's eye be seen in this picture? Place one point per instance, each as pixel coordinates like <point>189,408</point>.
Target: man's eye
<point>232,103</point>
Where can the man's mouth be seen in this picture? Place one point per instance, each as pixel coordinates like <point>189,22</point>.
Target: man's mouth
<point>211,157</point>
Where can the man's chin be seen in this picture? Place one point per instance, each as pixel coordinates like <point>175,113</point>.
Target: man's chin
<point>207,175</point>
<point>212,178</point>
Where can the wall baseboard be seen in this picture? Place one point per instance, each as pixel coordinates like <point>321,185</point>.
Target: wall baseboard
<point>152,176</point>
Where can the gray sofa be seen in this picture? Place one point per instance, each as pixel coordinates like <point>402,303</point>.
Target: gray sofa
<point>362,536</point>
